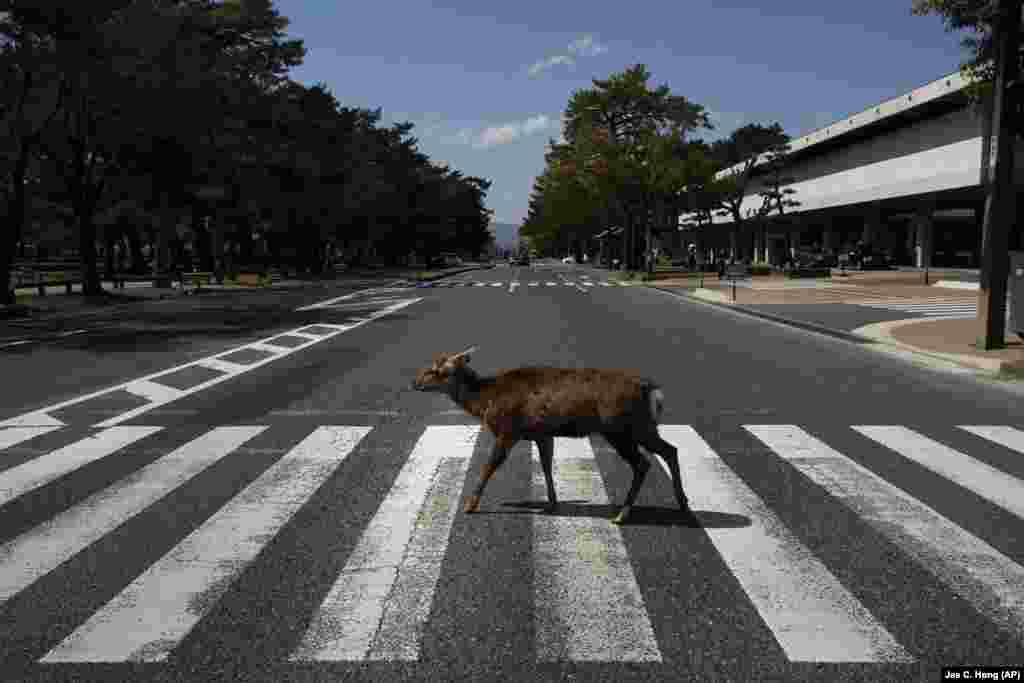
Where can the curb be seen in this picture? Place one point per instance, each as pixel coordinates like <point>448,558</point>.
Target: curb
<point>812,327</point>
<point>881,332</point>
<point>881,340</point>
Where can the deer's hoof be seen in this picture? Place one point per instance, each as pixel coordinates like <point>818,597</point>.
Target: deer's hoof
<point>472,504</point>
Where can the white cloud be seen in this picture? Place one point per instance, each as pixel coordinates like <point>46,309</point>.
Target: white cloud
<point>503,134</point>
<point>498,135</point>
<point>581,47</point>
<point>585,47</point>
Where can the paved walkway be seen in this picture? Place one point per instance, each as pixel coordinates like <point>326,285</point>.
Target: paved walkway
<point>57,302</point>
<point>894,308</point>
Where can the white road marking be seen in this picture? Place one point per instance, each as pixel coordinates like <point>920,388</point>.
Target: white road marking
<point>379,604</point>
<point>37,472</point>
<point>147,620</point>
<point>495,284</point>
<point>71,332</point>
<point>587,283</point>
<point>361,293</point>
<point>1001,488</point>
<point>39,551</point>
<point>605,284</point>
<point>534,284</point>
<point>1008,437</point>
<point>154,391</point>
<point>20,342</point>
<point>163,394</point>
<point>512,286</point>
<point>479,284</point>
<point>581,569</point>
<point>12,436</point>
<point>812,615</point>
<point>221,365</point>
<point>551,284</point>
<point>967,565</point>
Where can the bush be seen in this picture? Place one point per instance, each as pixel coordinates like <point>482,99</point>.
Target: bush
<point>760,269</point>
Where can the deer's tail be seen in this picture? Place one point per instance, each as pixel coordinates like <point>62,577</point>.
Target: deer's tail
<point>656,400</point>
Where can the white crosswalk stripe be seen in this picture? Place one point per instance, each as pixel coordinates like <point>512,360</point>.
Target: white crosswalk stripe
<point>37,552</point>
<point>379,606</point>
<point>969,566</point>
<point>813,616</point>
<point>965,307</point>
<point>363,616</point>
<point>581,565</point>
<point>149,617</point>
<point>568,283</point>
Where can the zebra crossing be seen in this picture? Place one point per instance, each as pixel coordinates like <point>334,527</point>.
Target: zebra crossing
<point>937,306</point>
<point>378,607</point>
<point>539,283</point>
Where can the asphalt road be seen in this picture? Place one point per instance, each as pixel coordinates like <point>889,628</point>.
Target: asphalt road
<point>291,510</point>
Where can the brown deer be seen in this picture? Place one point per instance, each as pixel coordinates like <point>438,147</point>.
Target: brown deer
<point>540,403</point>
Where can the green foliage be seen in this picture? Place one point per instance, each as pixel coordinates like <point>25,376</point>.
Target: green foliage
<point>103,87</point>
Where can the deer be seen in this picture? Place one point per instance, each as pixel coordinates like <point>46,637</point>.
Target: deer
<point>539,403</point>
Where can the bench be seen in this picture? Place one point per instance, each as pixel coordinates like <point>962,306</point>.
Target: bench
<point>197,279</point>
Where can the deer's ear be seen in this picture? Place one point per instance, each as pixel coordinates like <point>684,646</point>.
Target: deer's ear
<point>462,358</point>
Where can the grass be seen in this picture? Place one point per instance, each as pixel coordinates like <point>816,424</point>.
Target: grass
<point>1011,373</point>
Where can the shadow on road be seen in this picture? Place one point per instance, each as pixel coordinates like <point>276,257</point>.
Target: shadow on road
<point>641,515</point>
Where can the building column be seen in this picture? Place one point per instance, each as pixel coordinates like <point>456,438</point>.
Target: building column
<point>828,238</point>
<point>923,226</point>
<point>872,225</point>
<point>794,242</point>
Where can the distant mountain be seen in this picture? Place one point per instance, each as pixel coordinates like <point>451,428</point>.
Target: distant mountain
<point>505,234</point>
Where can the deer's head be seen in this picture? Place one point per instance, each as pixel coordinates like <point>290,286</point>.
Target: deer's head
<point>441,376</point>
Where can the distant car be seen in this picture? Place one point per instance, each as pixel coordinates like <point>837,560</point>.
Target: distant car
<point>569,260</point>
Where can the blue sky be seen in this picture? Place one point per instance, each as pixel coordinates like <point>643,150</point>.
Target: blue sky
<point>485,83</point>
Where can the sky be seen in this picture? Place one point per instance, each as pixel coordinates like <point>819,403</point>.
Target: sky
<point>485,82</point>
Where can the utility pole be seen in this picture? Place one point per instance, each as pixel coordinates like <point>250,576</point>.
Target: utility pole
<point>1000,200</point>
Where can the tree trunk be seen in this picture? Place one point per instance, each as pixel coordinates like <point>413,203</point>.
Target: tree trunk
<point>87,250</point>
<point>6,258</point>
<point>15,223</point>
<point>162,252</point>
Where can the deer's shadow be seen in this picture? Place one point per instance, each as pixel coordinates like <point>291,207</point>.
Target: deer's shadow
<point>640,515</point>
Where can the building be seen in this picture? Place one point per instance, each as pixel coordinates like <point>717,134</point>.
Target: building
<point>903,177</point>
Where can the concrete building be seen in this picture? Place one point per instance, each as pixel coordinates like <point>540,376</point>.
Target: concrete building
<point>903,176</point>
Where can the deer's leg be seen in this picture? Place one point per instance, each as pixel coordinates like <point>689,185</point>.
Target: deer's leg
<point>502,447</point>
<point>546,448</point>
<point>670,454</point>
<point>627,449</point>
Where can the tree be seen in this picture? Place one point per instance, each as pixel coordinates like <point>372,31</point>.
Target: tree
<point>977,16</point>
<point>33,95</point>
<point>740,153</point>
<point>632,116</point>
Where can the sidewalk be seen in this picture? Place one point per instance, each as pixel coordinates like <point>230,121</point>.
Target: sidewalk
<point>57,303</point>
<point>892,308</point>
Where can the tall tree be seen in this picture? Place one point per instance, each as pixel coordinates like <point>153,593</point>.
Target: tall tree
<point>33,95</point>
<point>740,153</point>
